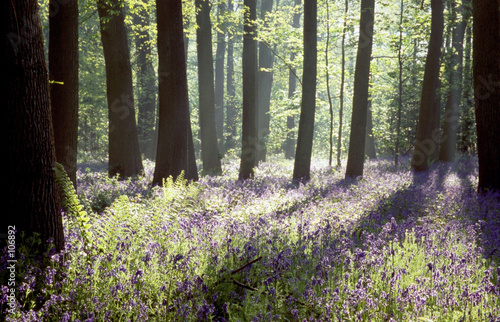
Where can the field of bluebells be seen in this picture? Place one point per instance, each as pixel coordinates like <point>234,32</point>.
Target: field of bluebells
<point>392,246</point>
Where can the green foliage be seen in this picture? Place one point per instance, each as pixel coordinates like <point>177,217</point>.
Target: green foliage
<point>75,215</point>
<point>179,196</point>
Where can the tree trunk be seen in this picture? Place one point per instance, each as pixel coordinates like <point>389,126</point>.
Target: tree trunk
<point>400,84</point>
<point>427,139</point>
<point>63,64</point>
<point>220,54</point>
<point>265,82</point>
<point>209,152</point>
<point>342,81</point>
<point>292,85</point>
<point>249,131</point>
<point>370,150</point>
<point>486,74</point>
<point>230,103</point>
<point>302,165</point>
<point>31,196</point>
<point>327,78</point>
<point>175,152</point>
<point>124,153</point>
<point>356,156</point>
<point>451,116</point>
<point>467,130</point>
<point>146,83</point>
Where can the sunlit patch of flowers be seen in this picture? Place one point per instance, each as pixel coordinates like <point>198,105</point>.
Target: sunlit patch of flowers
<point>391,246</point>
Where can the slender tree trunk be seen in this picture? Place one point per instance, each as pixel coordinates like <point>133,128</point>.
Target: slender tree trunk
<point>249,131</point>
<point>467,131</point>
<point>400,84</point>
<point>146,81</point>
<point>356,154</point>
<point>451,116</point>
<point>231,94</point>
<point>186,23</point>
<point>209,152</point>
<point>63,63</point>
<point>302,165</point>
<point>292,85</point>
<point>175,152</point>
<point>327,76</point>
<point>31,197</point>
<point>486,73</point>
<point>124,152</point>
<point>220,54</point>
<point>370,150</point>
<point>427,140</point>
<point>342,81</point>
<point>265,81</point>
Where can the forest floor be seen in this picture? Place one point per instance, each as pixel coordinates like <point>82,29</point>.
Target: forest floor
<point>394,245</point>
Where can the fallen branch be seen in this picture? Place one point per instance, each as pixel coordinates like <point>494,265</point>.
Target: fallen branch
<point>246,265</point>
<point>244,285</point>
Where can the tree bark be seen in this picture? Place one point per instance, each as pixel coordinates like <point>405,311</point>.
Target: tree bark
<point>209,152</point>
<point>220,54</point>
<point>400,84</point>
<point>451,116</point>
<point>265,82</point>
<point>146,83</point>
<point>302,165</point>
<point>231,93</point>
<point>342,81</point>
<point>63,64</point>
<point>356,156</point>
<point>249,130</point>
<point>327,78</point>
<point>292,85</point>
<point>370,150</point>
<point>467,129</point>
<point>175,151</point>
<point>486,74</point>
<point>124,154</point>
<point>32,205</point>
<point>427,138</point>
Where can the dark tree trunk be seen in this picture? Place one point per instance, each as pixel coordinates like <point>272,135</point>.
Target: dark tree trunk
<point>209,151</point>
<point>451,116</point>
<point>31,196</point>
<point>486,74</point>
<point>249,130</point>
<point>265,82</point>
<point>220,54</point>
<point>292,85</point>
<point>175,152</point>
<point>356,156</point>
<point>124,153</point>
<point>146,83</point>
<point>230,103</point>
<point>63,64</point>
<point>302,165</point>
<point>427,140</point>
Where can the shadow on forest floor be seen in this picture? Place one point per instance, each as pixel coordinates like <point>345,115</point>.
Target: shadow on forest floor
<point>435,198</point>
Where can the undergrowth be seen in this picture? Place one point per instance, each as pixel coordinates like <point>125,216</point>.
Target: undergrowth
<point>394,245</point>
